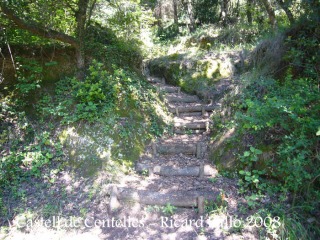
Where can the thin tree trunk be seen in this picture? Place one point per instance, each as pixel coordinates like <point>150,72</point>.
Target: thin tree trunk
<point>271,14</point>
<point>249,9</point>
<point>237,11</point>
<point>189,9</point>
<point>81,17</point>
<point>224,11</point>
<point>175,12</point>
<point>285,6</point>
<point>90,12</point>
<point>159,15</point>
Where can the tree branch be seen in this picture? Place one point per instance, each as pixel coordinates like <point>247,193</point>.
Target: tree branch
<point>90,12</point>
<point>38,30</point>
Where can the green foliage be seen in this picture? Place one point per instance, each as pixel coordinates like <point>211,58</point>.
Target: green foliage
<point>31,149</point>
<point>206,11</point>
<point>118,35</point>
<point>168,209</point>
<point>96,94</point>
<point>28,160</point>
<point>119,52</point>
<point>287,115</point>
<point>279,118</point>
<point>250,178</point>
<point>113,50</point>
<point>297,225</point>
<point>217,206</point>
<point>169,32</point>
<point>303,50</point>
<point>96,33</point>
<point>156,127</point>
<point>126,19</point>
<point>53,16</point>
<point>50,210</point>
<point>119,100</point>
<point>18,37</point>
<point>29,73</point>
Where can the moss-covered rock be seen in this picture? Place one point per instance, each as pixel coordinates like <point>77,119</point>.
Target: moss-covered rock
<point>90,148</point>
<point>164,68</point>
<point>198,76</point>
<point>223,152</point>
<point>87,148</point>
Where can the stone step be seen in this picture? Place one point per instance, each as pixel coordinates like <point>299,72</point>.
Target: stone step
<point>182,99</point>
<point>195,149</point>
<point>187,199</point>
<point>169,171</point>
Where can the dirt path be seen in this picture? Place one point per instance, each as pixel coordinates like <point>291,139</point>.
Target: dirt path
<point>177,192</point>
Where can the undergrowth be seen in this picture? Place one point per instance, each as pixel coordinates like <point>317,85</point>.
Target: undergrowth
<point>275,115</point>
<point>279,113</point>
<point>112,111</point>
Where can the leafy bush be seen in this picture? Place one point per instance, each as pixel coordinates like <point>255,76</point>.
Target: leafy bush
<point>102,92</point>
<point>286,115</point>
<point>30,76</point>
<point>250,178</point>
<point>206,11</point>
<point>96,94</point>
<point>303,55</point>
<point>113,50</point>
<point>169,32</point>
<point>278,122</point>
<point>27,160</point>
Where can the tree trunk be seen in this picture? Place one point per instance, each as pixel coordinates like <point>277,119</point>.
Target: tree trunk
<point>175,12</point>
<point>36,29</point>
<point>224,11</point>
<point>271,14</point>
<point>184,99</point>
<point>192,171</point>
<point>78,43</point>
<point>158,14</point>
<point>249,9</point>
<point>285,6</point>
<point>192,109</point>
<point>189,9</point>
<point>81,17</point>
<point>174,198</point>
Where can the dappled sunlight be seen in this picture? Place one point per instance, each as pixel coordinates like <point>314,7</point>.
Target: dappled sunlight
<point>85,146</point>
<point>159,119</point>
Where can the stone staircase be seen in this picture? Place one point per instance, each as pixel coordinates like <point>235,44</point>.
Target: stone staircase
<point>177,166</point>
